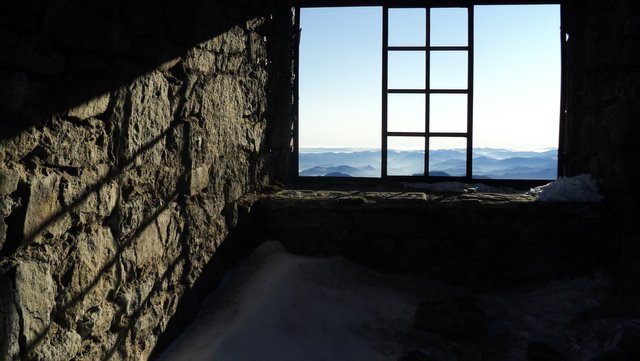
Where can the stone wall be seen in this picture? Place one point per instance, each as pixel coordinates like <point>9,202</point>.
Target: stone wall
<point>602,77</point>
<point>483,240</point>
<point>602,127</point>
<point>128,132</point>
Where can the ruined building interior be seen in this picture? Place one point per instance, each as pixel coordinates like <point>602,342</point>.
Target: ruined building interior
<point>146,150</point>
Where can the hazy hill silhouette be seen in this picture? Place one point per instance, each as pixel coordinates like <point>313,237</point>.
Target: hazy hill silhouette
<point>488,163</point>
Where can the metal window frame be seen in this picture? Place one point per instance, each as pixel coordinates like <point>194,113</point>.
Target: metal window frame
<point>427,91</point>
<point>384,178</point>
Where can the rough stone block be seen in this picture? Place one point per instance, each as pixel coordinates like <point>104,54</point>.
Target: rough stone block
<point>199,179</point>
<point>94,251</point>
<point>9,321</point>
<point>70,145</point>
<point>59,344</point>
<point>233,41</point>
<point>157,240</point>
<point>91,108</point>
<point>149,119</point>
<point>7,206</point>
<point>89,197</point>
<point>8,181</point>
<point>44,209</point>
<point>199,60</point>
<point>35,297</point>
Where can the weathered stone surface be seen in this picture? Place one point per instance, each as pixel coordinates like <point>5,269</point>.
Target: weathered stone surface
<point>43,214</point>
<point>87,268</point>
<point>60,344</point>
<point>199,179</point>
<point>7,206</point>
<point>148,121</point>
<point>92,108</point>
<point>17,148</point>
<point>232,42</point>
<point>35,297</point>
<point>91,195</point>
<point>8,181</point>
<point>123,137</point>
<point>9,320</point>
<point>123,148</point>
<point>199,60</point>
<point>480,239</point>
<point>157,240</point>
<point>70,145</point>
<point>602,103</point>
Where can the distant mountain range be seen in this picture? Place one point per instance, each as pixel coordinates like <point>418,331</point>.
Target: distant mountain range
<point>488,163</point>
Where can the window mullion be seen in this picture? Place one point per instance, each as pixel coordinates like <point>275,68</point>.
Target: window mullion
<point>427,90</point>
<point>470,93</point>
<point>385,92</point>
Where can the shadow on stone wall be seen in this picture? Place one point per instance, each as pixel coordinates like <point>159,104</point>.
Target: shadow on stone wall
<point>129,131</point>
<point>108,279</point>
<point>66,304</point>
<point>59,55</point>
<point>20,238</point>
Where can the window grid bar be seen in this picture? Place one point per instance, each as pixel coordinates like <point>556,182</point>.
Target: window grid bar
<point>406,48</point>
<point>425,48</point>
<point>407,91</point>
<point>562,134</point>
<point>385,70</point>
<point>448,48</point>
<point>427,101</point>
<point>428,134</point>
<point>406,134</point>
<point>449,91</point>
<point>295,132</point>
<point>470,59</point>
<point>449,134</point>
<point>425,91</point>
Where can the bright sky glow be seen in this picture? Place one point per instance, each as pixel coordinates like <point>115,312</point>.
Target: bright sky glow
<point>516,76</point>
<point>340,77</point>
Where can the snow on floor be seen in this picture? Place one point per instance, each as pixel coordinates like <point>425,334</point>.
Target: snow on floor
<point>581,188</point>
<point>549,313</point>
<point>276,306</point>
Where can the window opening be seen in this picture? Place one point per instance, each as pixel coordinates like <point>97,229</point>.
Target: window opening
<point>463,93</point>
<point>339,110</point>
<point>517,91</point>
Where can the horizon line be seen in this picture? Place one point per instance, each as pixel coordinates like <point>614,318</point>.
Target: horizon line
<point>327,148</point>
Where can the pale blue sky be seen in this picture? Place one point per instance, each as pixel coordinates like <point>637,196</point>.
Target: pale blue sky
<point>517,76</point>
